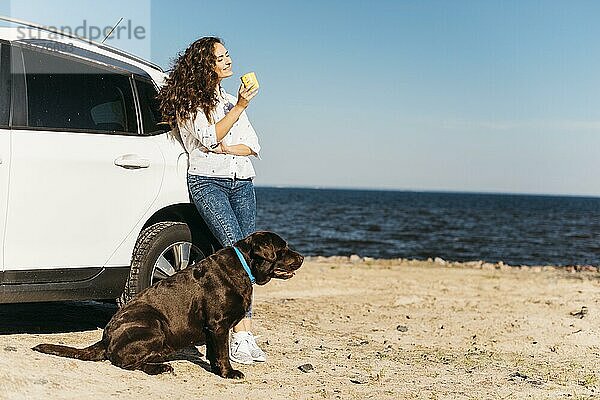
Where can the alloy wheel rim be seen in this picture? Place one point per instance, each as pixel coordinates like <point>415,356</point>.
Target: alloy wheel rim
<point>173,259</point>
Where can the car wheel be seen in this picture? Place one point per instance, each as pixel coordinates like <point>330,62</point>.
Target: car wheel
<point>161,250</point>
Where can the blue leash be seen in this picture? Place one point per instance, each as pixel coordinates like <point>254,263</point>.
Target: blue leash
<point>245,265</point>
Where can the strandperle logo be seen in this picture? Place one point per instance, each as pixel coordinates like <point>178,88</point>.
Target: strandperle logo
<point>126,30</point>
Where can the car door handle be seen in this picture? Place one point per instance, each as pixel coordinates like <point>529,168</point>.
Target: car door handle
<point>132,161</point>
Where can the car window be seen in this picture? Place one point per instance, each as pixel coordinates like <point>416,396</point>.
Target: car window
<point>68,94</point>
<point>149,106</point>
<point>4,84</point>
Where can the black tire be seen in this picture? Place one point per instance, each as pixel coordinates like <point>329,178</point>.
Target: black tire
<point>153,242</point>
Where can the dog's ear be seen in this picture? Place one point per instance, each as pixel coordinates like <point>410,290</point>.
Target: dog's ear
<point>263,247</point>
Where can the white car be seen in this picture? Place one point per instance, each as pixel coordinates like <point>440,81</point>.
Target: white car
<point>93,196</point>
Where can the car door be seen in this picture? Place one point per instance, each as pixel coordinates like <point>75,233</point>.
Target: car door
<point>4,141</point>
<point>81,174</point>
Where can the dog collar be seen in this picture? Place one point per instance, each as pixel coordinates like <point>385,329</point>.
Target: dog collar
<point>245,265</point>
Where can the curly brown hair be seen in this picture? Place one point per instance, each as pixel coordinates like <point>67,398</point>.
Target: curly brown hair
<point>191,83</point>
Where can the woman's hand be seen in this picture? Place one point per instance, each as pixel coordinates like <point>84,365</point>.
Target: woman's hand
<point>245,95</point>
<point>220,149</point>
<point>236,150</point>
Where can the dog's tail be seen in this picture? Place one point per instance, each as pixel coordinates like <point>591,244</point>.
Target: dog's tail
<point>95,352</point>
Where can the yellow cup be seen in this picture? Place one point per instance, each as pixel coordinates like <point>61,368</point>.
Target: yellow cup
<point>249,80</point>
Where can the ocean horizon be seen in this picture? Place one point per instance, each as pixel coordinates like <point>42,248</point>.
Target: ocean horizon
<point>441,191</point>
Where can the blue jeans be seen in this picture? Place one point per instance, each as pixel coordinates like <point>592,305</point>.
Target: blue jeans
<point>227,206</point>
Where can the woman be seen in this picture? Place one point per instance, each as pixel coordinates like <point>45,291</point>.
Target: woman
<point>219,139</point>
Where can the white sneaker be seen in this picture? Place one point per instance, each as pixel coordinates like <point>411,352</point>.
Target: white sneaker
<point>239,348</point>
<point>255,351</point>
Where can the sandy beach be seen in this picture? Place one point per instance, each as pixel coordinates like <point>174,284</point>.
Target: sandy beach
<point>388,329</point>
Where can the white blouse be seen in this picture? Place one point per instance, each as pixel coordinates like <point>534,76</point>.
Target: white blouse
<point>199,135</point>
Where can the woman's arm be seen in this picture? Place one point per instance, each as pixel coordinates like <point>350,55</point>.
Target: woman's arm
<point>236,149</point>
<point>208,134</point>
<point>223,127</point>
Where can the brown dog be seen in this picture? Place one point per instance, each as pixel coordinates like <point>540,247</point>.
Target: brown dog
<point>199,304</point>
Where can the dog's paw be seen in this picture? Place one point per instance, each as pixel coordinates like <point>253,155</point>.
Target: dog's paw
<point>234,374</point>
<point>169,369</point>
<point>155,369</point>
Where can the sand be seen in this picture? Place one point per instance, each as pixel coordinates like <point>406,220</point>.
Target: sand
<point>390,329</point>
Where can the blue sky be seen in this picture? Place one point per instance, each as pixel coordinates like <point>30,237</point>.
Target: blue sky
<point>485,96</point>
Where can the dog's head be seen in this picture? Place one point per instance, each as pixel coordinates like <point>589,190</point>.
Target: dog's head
<point>270,256</point>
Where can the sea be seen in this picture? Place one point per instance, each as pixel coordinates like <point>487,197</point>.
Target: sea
<point>514,229</point>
